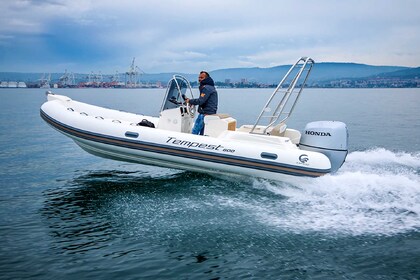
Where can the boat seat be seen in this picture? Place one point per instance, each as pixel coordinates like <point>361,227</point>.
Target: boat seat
<point>277,130</point>
<point>217,123</point>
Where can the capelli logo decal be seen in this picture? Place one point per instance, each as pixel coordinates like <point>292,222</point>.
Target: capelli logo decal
<point>303,158</point>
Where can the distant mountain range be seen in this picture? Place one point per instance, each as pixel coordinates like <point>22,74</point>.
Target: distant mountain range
<point>323,72</point>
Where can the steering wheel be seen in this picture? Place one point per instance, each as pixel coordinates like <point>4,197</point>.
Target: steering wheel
<point>190,108</point>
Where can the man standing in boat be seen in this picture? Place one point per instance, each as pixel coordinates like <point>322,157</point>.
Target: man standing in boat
<point>207,102</point>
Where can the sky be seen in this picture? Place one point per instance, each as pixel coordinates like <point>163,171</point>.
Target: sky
<point>186,36</point>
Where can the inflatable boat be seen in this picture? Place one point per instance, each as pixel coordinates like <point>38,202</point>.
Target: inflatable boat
<point>266,149</point>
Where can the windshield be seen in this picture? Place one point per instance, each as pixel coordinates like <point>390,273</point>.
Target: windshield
<point>178,87</point>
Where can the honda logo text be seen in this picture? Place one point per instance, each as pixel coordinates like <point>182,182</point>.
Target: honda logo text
<point>317,133</point>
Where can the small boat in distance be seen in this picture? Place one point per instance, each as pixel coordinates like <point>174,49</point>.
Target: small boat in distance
<point>266,149</point>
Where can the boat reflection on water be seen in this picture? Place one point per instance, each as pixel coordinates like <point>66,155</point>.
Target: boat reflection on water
<point>99,207</point>
<point>177,217</point>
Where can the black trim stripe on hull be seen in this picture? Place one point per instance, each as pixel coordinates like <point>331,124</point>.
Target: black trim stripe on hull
<point>320,148</point>
<point>181,152</point>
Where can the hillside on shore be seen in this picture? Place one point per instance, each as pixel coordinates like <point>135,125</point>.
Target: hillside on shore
<point>324,74</point>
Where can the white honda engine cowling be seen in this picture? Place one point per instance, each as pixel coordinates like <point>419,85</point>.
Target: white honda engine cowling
<point>329,138</point>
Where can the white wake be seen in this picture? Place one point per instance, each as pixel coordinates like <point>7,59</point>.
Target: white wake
<point>375,192</point>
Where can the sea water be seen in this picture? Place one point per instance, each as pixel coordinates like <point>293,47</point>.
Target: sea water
<point>65,214</point>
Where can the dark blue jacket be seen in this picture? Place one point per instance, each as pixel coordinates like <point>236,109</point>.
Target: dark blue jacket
<point>207,102</point>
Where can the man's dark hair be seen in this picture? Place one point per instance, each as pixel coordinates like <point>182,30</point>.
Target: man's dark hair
<point>207,74</point>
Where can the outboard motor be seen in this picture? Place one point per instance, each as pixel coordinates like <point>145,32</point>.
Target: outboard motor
<point>329,138</point>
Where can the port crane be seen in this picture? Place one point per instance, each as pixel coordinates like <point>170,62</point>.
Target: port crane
<point>132,75</point>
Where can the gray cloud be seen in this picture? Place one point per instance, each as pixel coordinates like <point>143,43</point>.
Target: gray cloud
<point>187,36</point>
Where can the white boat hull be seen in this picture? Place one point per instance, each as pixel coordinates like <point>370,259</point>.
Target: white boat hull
<point>113,134</point>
